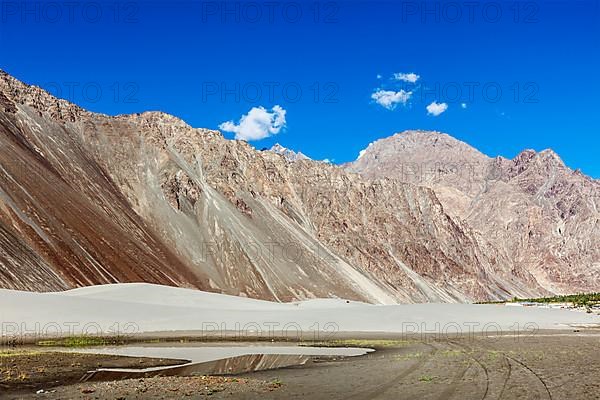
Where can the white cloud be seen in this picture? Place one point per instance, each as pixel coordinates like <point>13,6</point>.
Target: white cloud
<point>463,105</point>
<point>436,109</point>
<point>390,99</point>
<point>257,124</point>
<point>379,76</point>
<point>411,77</point>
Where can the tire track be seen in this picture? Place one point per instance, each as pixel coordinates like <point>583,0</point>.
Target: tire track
<point>467,351</point>
<point>507,378</point>
<point>449,392</point>
<point>377,391</point>
<point>538,377</point>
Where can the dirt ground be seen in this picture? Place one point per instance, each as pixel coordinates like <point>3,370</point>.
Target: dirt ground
<point>538,367</point>
<point>57,376</point>
<point>544,366</point>
<point>29,370</point>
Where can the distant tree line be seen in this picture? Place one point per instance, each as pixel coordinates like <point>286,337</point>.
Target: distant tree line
<point>579,300</point>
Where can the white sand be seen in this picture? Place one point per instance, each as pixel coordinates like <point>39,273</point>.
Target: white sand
<point>152,309</point>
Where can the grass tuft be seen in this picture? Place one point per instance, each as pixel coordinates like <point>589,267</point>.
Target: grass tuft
<point>375,343</point>
<point>80,341</point>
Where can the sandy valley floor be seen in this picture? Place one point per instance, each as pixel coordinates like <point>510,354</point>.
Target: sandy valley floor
<point>557,365</point>
<point>561,360</point>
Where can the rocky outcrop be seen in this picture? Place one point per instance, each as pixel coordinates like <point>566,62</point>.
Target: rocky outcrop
<point>289,155</point>
<point>89,199</point>
<point>542,215</point>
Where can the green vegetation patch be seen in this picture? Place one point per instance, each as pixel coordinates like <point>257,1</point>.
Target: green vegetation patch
<point>579,300</point>
<point>452,353</point>
<point>410,356</point>
<point>81,341</point>
<point>18,353</point>
<point>374,343</point>
<point>582,299</point>
<point>277,383</point>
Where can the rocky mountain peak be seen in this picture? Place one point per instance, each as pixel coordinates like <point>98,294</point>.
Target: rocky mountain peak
<point>146,197</point>
<point>544,162</point>
<point>289,155</point>
<point>423,158</point>
<point>39,99</point>
<point>534,193</point>
<point>551,156</point>
<point>425,144</point>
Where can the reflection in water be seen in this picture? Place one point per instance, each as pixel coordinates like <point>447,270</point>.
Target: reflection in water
<point>202,359</point>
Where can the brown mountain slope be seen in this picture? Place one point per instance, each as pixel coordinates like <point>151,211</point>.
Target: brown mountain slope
<point>99,199</point>
<point>88,198</point>
<point>69,217</point>
<point>543,216</point>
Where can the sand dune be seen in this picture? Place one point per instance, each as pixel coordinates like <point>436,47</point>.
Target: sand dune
<point>152,309</point>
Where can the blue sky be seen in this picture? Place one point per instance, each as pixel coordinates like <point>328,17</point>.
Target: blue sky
<point>334,69</point>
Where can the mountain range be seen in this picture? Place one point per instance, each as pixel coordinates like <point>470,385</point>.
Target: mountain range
<point>87,199</point>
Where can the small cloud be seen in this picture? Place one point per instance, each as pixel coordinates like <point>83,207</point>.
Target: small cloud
<point>328,161</point>
<point>463,105</point>
<point>257,124</point>
<point>411,77</point>
<point>390,99</point>
<point>436,109</point>
<point>379,76</point>
<point>502,114</point>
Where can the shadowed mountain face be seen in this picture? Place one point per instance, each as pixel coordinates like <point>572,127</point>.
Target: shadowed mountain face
<point>89,199</point>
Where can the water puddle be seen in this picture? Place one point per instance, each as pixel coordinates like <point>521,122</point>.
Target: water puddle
<point>203,359</point>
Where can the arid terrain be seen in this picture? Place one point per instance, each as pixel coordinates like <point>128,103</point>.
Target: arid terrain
<point>420,217</point>
<point>561,365</point>
<point>299,200</point>
<point>175,342</point>
<point>143,224</point>
<point>553,367</point>
<point>538,213</point>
